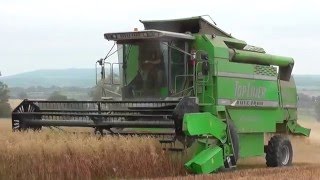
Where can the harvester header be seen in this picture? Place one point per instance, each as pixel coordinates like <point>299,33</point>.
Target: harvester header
<point>192,86</point>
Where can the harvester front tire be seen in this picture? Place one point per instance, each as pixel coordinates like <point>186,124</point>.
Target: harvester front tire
<point>279,152</point>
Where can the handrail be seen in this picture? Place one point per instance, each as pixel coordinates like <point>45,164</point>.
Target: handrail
<point>202,84</point>
<point>189,88</point>
<point>113,74</point>
<point>175,81</point>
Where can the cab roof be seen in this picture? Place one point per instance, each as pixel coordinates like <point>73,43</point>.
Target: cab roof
<point>193,25</point>
<point>147,34</point>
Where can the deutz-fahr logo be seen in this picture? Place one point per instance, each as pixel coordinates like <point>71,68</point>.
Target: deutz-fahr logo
<point>249,94</point>
<point>249,91</point>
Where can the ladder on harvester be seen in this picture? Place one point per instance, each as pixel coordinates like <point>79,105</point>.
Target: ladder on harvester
<point>231,162</point>
<point>201,82</point>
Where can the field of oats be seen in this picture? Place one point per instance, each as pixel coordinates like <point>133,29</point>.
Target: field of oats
<point>60,155</point>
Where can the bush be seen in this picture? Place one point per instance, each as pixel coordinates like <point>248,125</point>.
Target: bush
<point>5,110</point>
<point>56,96</point>
<point>4,92</point>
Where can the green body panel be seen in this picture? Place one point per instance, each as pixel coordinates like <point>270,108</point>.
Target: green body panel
<point>255,120</point>
<point>207,161</point>
<point>195,124</point>
<point>251,144</point>
<point>291,114</point>
<point>224,65</point>
<point>295,128</point>
<point>289,96</point>
<point>260,58</point>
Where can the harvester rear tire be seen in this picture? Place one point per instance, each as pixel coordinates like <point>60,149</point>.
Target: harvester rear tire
<point>279,152</point>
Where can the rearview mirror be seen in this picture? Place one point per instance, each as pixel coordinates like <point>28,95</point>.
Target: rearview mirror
<point>205,68</point>
<point>204,56</point>
<point>205,63</point>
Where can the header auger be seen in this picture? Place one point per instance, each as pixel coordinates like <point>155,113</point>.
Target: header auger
<point>191,83</point>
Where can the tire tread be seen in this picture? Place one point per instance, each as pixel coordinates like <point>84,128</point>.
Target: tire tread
<point>273,151</point>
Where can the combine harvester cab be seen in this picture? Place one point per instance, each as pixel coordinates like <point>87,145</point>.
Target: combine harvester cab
<point>188,81</point>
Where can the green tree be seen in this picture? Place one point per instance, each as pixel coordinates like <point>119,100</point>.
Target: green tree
<point>104,90</point>
<point>4,92</point>
<point>5,109</point>
<point>57,96</point>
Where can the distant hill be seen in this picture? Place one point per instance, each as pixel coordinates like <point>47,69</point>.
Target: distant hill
<point>48,78</point>
<point>307,82</point>
<point>86,78</point>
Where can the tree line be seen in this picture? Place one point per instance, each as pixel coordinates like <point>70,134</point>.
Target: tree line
<point>5,109</point>
<point>306,102</point>
<point>52,93</point>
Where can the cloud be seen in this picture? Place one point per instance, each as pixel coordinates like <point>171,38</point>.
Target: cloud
<point>61,34</point>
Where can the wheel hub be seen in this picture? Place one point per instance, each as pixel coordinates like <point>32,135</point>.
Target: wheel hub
<point>285,155</point>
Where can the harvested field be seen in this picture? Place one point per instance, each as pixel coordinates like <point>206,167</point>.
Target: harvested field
<point>60,155</point>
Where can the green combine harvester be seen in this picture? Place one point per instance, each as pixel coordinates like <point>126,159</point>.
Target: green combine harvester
<point>190,84</point>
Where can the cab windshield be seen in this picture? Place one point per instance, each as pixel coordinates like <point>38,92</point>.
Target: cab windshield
<point>151,69</point>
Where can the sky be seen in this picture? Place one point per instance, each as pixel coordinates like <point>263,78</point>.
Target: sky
<point>59,34</point>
